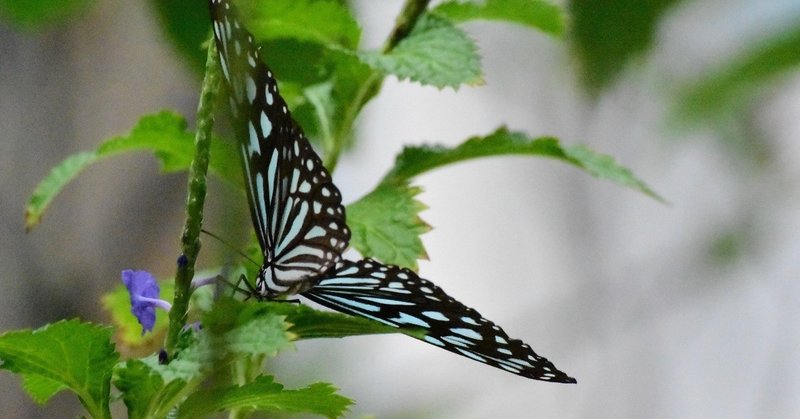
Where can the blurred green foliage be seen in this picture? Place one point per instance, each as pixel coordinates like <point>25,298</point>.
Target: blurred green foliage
<point>39,15</point>
<point>607,34</point>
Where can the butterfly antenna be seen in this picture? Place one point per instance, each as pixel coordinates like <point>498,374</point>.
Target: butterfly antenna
<point>230,246</point>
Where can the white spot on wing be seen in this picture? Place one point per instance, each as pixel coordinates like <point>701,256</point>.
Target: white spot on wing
<point>435,315</point>
<point>295,179</point>
<point>457,341</point>
<point>349,271</point>
<point>305,187</point>
<point>266,125</point>
<point>467,333</point>
<point>388,301</point>
<point>295,228</point>
<point>348,302</point>
<point>260,196</point>
<point>315,231</point>
<point>469,320</point>
<point>304,250</point>
<point>433,340</point>
<point>410,320</point>
<point>224,65</point>
<point>251,88</point>
<point>255,146</point>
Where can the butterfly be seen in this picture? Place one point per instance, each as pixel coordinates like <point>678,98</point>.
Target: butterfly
<point>300,223</point>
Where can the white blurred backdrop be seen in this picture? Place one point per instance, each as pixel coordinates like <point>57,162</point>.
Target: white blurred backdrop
<point>618,290</point>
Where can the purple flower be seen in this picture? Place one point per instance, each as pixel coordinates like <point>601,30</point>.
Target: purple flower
<point>144,292</point>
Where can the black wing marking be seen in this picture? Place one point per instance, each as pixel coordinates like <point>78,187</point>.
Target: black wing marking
<point>296,209</point>
<point>398,297</point>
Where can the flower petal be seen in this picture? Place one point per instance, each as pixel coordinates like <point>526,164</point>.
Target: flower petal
<point>144,292</point>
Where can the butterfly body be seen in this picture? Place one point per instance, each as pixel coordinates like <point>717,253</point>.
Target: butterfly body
<point>299,219</point>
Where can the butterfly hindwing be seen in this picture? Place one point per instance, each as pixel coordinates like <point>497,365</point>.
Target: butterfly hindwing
<point>398,297</point>
<point>295,207</point>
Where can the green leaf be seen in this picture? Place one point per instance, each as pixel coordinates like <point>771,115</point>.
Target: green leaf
<point>307,323</point>
<point>42,14</point>
<point>250,329</point>
<point>532,13</point>
<point>151,389</point>
<point>298,62</point>
<point>265,335</point>
<point>265,395</point>
<point>164,134</point>
<point>41,389</point>
<point>323,87</point>
<point>326,22</point>
<point>303,322</point>
<point>320,98</point>
<point>195,356</point>
<point>185,24</point>
<point>352,88</point>
<point>139,385</point>
<point>731,89</point>
<point>435,53</point>
<point>52,184</point>
<point>144,390</point>
<point>385,224</point>
<point>416,160</point>
<point>309,46</point>
<point>608,34</point>
<point>78,356</point>
<point>605,167</point>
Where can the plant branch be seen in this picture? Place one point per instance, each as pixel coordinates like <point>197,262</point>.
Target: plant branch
<point>408,17</point>
<point>190,239</point>
<point>412,11</point>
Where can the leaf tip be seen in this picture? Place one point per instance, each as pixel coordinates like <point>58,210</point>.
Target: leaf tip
<point>31,220</point>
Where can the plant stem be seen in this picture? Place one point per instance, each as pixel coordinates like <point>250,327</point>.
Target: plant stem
<point>408,17</point>
<point>190,239</point>
<point>405,22</point>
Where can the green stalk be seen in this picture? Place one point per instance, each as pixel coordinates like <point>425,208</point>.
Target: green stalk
<point>408,17</point>
<point>190,239</point>
<point>412,11</point>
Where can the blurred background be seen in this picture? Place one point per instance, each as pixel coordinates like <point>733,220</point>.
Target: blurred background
<point>682,310</point>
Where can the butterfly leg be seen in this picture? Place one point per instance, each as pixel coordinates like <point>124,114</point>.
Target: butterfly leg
<point>247,289</point>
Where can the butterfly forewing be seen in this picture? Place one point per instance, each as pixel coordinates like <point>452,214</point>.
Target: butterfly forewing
<point>295,207</point>
<point>400,298</point>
